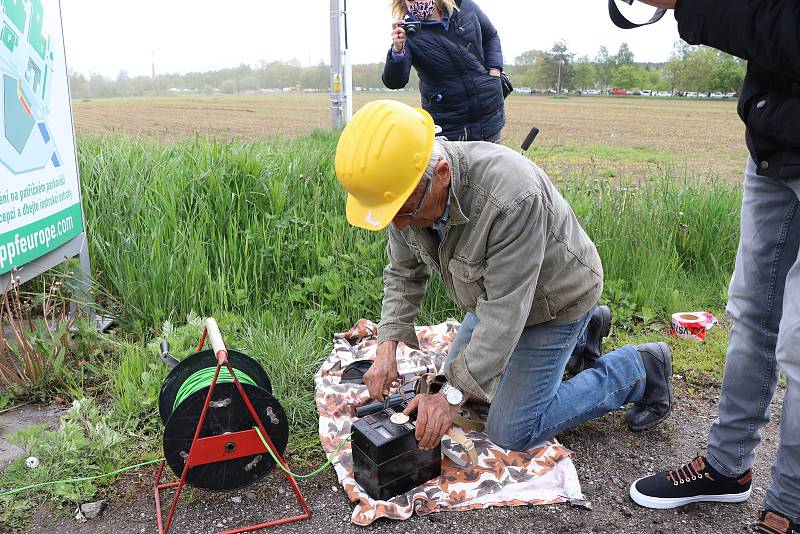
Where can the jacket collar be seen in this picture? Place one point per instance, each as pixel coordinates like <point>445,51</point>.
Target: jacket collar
<point>457,166</point>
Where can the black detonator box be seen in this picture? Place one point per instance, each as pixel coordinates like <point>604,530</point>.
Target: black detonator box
<point>386,459</point>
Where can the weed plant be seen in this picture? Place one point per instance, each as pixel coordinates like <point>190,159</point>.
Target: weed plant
<point>255,234</point>
<point>259,228</point>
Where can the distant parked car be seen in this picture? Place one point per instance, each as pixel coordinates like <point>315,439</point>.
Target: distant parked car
<point>664,93</point>
<point>691,94</point>
<point>645,92</point>
<point>616,91</point>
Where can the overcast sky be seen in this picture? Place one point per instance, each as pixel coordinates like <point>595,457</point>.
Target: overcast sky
<point>198,35</point>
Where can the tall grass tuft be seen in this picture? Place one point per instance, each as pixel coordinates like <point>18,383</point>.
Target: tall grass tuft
<point>668,242</point>
<point>249,228</point>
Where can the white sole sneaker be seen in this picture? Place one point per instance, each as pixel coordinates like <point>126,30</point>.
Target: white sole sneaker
<point>663,503</point>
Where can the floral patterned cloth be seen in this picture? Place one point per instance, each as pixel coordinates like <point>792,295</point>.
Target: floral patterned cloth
<point>543,475</point>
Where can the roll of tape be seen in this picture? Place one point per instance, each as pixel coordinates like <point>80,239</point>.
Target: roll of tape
<point>692,325</point>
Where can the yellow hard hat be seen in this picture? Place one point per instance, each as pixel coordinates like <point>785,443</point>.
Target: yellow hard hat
<point>381,157</point>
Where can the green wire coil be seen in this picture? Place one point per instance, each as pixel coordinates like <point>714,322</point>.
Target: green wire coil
<point>196,381</point>
<point>202,379</point>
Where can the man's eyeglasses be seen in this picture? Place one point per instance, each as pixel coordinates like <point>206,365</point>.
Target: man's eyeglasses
<point>414,214</point>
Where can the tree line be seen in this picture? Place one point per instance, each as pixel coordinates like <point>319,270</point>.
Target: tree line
<point>690,68</point>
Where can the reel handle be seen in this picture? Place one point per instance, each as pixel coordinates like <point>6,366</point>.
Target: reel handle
<point>212,329</point>
<point>166,357</point>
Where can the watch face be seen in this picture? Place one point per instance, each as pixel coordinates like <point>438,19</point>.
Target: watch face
<point>453,395</point>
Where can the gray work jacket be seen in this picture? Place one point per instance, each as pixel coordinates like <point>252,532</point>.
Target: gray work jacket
<point>513,253</point>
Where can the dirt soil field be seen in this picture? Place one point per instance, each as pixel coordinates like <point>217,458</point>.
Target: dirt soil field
<point>607,457</point>
<point>584,136</point>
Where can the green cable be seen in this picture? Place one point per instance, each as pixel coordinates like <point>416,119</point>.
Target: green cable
<point>194,383</point>
<point>342,443</point>
<point>81,479</point>
<point>203,378</point>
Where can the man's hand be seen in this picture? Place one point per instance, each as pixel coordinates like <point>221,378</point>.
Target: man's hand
<point>434,418</point>
<point>494,72</point>
<point>383,373</point>
<point>664,4</point>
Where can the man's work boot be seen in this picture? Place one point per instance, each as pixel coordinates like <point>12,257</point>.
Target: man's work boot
<point>657,400</point>
<point>599,326</point>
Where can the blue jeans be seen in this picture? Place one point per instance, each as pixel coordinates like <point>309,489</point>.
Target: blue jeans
<point>764,304</point>
<point>533,402</point>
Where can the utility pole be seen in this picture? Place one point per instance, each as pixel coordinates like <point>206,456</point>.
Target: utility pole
<point>341,69</point>
<point>560,63</point>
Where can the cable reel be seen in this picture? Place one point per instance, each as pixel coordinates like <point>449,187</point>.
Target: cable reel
<point>181,403</point>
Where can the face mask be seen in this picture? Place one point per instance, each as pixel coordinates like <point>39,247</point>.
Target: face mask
<point>422,9</point>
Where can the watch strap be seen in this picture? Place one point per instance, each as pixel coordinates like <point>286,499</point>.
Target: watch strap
<point>459,437</point>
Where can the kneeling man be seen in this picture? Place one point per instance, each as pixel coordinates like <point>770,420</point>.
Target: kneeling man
<point>512,254</point>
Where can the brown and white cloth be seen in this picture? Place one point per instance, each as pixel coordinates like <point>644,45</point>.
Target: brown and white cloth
<point>543,475</point>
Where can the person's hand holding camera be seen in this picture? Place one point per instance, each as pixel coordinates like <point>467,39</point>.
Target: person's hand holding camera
<point>398,36</point>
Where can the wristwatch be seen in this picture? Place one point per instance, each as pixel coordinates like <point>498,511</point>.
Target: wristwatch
<point>452,394</point>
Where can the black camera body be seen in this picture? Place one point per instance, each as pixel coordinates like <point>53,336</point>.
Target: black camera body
<point>412,27</point>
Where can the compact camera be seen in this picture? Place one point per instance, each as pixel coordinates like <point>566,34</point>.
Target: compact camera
<point>411,27</point>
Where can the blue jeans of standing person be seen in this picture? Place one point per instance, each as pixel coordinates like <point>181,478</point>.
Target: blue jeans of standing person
<point>533,403</point>
<point>764,304</point>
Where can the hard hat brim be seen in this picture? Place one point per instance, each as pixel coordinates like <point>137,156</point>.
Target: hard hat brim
<point>374,218</point>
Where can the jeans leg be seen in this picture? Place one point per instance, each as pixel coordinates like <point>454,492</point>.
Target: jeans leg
<point>464,334</point>
<point>770,237</point>
<point>580,342</point>
<point>784,494</point>
<point>532,403</point>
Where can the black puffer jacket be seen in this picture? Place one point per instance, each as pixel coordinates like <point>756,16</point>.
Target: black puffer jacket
<point>456,89</point>
<point>767,34</point>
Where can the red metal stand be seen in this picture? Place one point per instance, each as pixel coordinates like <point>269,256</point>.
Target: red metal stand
<point>225,447</point>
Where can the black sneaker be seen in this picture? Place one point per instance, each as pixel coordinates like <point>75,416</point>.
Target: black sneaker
<point>770,522</point>
<point>694,482</point>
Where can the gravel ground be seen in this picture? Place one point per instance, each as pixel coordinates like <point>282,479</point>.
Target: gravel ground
<point>608,458</point>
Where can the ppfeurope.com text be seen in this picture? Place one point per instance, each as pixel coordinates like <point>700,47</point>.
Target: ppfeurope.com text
<point>34,240</point>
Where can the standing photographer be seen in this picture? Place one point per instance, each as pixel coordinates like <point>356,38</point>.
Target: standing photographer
<point>764,296</point>
<point>456,52</point>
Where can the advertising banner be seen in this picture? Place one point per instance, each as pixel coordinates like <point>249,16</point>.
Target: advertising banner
<point>40,207</point>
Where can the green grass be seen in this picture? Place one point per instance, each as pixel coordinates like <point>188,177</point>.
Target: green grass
<point>200,227</point>
<point>258,230</point>
<point>255,234</point>
<point>579,153</point>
